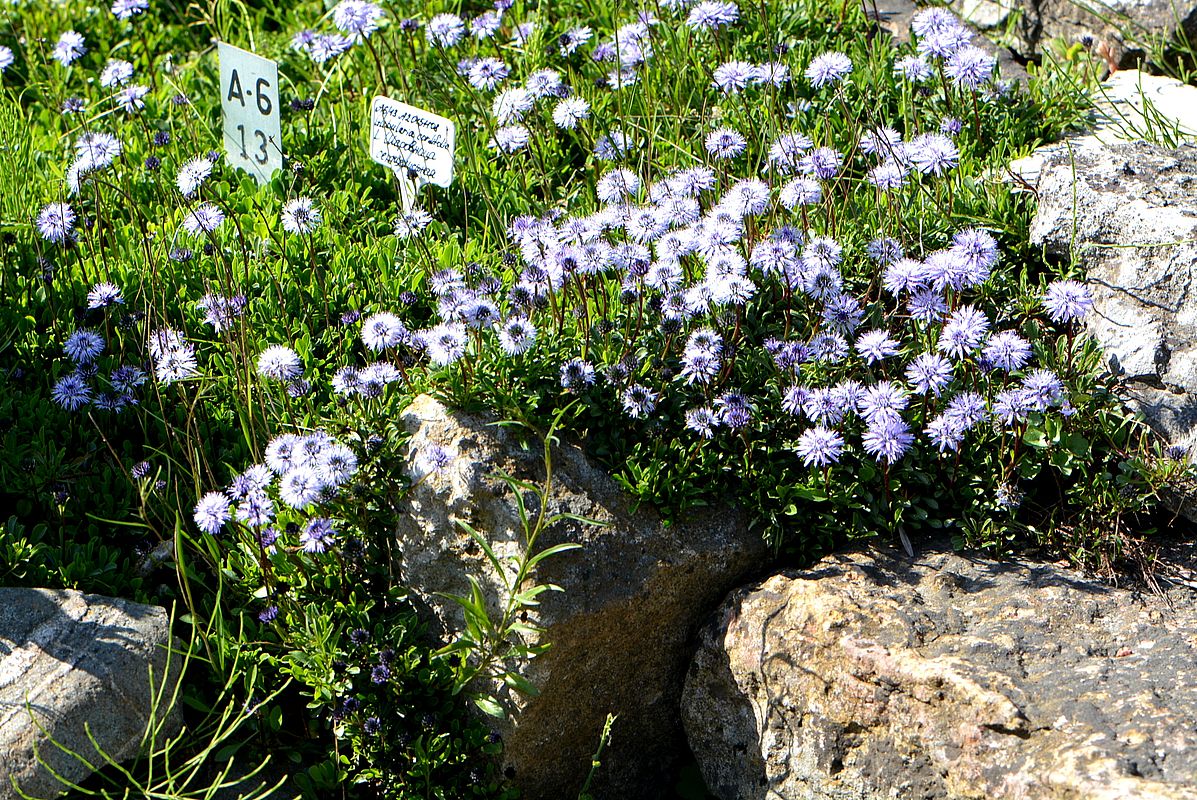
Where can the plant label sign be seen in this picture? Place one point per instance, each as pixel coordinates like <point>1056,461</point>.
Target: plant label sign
<point>249,99</point>
<point>404,138</point>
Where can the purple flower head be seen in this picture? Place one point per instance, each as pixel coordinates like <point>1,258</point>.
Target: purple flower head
<point>71,392</point>
<point>904,275</point>
<point>510,139</point>
<point>126,9</point>
<point>639,401</point>
<point>712,14</point>
<point>819,446</point>
<point>913,68</point>
<point>256,509</point>
<point>254,479</point>
<point>83,346</point>
<point>1043,388</point>
<point>577,375</point>
<point>970,67</point>
<point>300,215</point>
<point>1010,406</point>
<point>882,399</point>
<point>445,343</point>
<point>725,143</point>
<point>56,223</point>
<point>703,421</point>
<point>569,112</point>
<point>212,512</point>
<point>887,438</point>
<point>884,142</point>
<point>444,30</point>
<point>1067,301</point>
<point>787,151</point>
<point>873,346</point>
<point>966,410</point>
<point>801,192</point>
<point>327,46</point>
<point>945,433</point>
<point>888,175</point>
<point>734,410</point>
<point>929,373</point>
<point>927,305</point>
<point>731,77</point>
<point>829,347</point>
<point>1007,350</point>
<point>825,406</point>
<point>794,398</point>
<point>823,163</point>
<point>357,18</point>
<point>945,43</point>
<point>317,535</point>
<point>843,314</point>
<point>279,363</point>
<point>933,153</point>
<point>964,332</point>
<point>69,48</point>
<point>884,251</point>
<point>977,252</point>
<point>828,69</point>
<point>300,487</point>
<point>204,218</point>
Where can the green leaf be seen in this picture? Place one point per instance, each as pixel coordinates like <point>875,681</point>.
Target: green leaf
<point>488,706</point>
<point>1035,437</point>
<point>517,681</point>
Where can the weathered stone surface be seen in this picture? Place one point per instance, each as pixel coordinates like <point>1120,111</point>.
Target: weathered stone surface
<point>874,676</point>
<point>1121,31</point>
<point>1131,106</point>
<point>1128,214</point>
<point>68,660</point>
<point>620,632</point>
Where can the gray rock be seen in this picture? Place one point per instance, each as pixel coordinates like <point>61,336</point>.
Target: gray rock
<point>1122,32</point>
<point>1131,106</point>
<point>1128,215</point>
<point>70,660</point>
<point>619,632</point>
<point>872,676</point>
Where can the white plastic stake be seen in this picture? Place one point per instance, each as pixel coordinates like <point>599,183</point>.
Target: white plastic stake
<point>404,137</point>
<point>253,136</point>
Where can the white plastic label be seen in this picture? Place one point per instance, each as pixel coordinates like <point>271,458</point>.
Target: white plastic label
<point>404,137</point>
<point>249,99</point>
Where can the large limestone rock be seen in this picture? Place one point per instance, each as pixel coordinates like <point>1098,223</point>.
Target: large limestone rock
<point>70,660</point>
<point>872,676</point>
<point>1128,215</point>
<point>619,632</point>
<point>1131,106</point>
<point>1122,31</point>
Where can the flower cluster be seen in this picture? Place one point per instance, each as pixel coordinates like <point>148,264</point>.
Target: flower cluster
<point>301,472</point>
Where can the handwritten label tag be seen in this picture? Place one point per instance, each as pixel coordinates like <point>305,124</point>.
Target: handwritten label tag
<point>404,137</point>
<point>249,99</point>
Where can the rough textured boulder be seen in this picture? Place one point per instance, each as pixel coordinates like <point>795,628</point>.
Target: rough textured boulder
<point>1128,214</point>
<point>620,632</point>
<point>69,660</point>
<point>1130,106</point>
<point>1122,31</point>
<point>875,676</point>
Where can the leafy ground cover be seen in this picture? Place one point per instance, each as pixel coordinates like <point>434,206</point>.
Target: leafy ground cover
<point>738,252</point>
